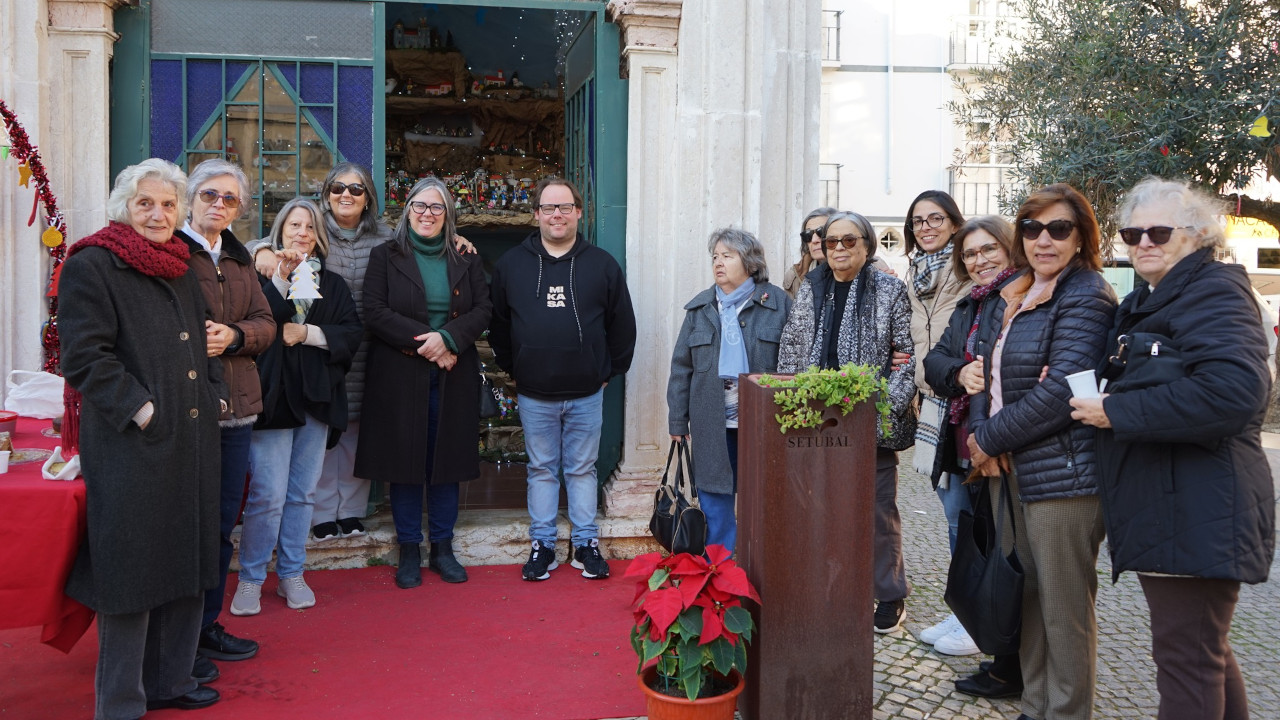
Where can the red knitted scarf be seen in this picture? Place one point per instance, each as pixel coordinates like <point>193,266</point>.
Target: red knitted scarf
<point>166,260</point>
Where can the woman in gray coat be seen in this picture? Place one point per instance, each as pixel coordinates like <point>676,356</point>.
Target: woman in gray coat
<point>702,392</point>
<point>143,408</point>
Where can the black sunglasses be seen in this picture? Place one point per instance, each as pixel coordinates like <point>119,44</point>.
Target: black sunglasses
<point>336,188</point>
<point>807,235</point>
<point>1058,229</point>
<point>848,241</point>
<point>1159,234</point>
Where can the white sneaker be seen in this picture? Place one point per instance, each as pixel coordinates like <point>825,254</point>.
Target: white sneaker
<point>296,593</point>
<point>247,599</point>
<point>931,635</point>
<point>956,642</point>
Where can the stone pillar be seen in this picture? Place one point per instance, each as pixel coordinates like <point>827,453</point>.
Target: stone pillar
<point>53,76</point>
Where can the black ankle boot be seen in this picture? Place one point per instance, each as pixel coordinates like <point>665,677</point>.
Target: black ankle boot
<point>441,560</point>
<point>409,572</point>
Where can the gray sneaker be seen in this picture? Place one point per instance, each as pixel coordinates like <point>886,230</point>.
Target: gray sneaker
<point>296,593</point>
<point>247,599</point>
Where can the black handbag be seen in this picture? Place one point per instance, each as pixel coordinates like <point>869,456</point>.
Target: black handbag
<point>678,525</point>
<point>984,586</point>
<point>489,407</point>
<point>1143,360</point>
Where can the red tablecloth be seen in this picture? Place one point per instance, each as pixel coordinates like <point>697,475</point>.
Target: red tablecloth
<point>41,525</point>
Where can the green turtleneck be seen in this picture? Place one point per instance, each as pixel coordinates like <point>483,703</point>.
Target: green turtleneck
<point>433,264</point>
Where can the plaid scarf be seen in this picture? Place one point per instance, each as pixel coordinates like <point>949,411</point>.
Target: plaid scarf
<point>925,271</point>
<point>959,410</point>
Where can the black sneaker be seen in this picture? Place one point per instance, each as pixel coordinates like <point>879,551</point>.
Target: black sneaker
<point>204,671</point>
<point>542,560</point>
<point>326,531</point>
<point>217,643</point>
<point>587,559</point>
<point>351,527</point>
<point>889,615</point>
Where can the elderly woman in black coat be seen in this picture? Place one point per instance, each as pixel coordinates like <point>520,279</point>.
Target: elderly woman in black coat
<point>848,311</point>
<point>426,305</point>
<point>304,396</point>
<point>144,401</point>
<point>702,391</point>
<point>1053,323</point>
<point>1186,489</point>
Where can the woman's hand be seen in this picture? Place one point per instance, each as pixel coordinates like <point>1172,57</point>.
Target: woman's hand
<point>217,337</point>
<point>446,361</point>
<point>294,334</point>
<point>433,347</point>
<point>983,463</point>
<point>1090,411</point>
<point>288,260</point>
<point>679,438</point>
<point>264,261</point>
<point>464,245</point>
<point>971,377</point>
<point>900,358</point>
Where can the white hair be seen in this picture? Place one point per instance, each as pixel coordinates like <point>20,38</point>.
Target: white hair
<point>126,186</point>
<point>1190,207</point>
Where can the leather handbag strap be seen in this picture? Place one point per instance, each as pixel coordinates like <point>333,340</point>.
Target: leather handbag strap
<point>686,459</point>
<point>671,453</point>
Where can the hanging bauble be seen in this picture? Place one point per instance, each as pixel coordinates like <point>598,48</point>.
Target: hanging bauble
<point>51,237</point>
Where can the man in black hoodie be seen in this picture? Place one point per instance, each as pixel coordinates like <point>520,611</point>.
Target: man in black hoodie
<point>562,326</point>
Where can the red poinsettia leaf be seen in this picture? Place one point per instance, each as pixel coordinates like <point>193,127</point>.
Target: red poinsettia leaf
<point>691,587</point>
<point>643,566</point>
<point>717,554</point>
<point>734,581</point>
<point>663,606</point>
<point>684,564</point>
<point>642,589</point>
<point>712,625</point>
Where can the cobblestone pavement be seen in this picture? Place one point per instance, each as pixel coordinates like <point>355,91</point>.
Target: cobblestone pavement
<point>912,681</point>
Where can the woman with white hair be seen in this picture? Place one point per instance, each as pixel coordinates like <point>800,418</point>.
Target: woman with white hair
<point>730,328</point>
<point>303,395</point>
<point>239,327</point>
<point>1187,494</point>
<point>142,406</point>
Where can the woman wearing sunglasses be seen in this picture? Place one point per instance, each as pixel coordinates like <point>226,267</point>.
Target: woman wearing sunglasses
<point>240,327</point>
<point>983,255</point>
<point>426,304</point>
<point>810,249</point>
<point>1186,488</point>
<point>933,286</point>
<point>1053,322</point>
<point>849,312</point>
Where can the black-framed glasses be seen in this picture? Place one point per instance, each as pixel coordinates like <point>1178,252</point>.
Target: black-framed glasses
<point>211,196</point>
<point>1058,229</point>
<point>564,208</point>
<point>1159,234</point>
<point>848,241</point>
<point>422,208</point>
<point>990,251</point>
<point>934,220</point>
<point>806,236</point>
<point>336,188</point>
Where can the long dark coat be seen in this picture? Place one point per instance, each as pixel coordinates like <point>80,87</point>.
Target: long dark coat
<point>152,494</point>
<point>393,429</point>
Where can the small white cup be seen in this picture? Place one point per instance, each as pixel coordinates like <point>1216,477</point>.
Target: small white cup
<point>1084,384</point>
<point>4,461</point>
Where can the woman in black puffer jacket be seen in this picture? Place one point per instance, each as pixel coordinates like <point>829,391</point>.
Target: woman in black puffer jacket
<point>1186,488</point>
<point>1055,321</point>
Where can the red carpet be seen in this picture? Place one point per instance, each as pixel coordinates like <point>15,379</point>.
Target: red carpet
<point>494,647</point>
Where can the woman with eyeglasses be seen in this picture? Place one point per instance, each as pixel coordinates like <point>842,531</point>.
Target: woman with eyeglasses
<point>1053,323</point>
<point>810,249</point>
<point>983,254</point>
<point>849,312</point>
<point>239,327</point>
<point>933,287</point>
<point>426,304</point>
<point>304,396</point>
<point>1186,488</point>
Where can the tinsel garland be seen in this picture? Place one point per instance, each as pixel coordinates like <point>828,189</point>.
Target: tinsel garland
<point>29,162</point>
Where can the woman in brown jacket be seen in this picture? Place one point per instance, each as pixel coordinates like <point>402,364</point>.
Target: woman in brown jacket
<point>240,327</point>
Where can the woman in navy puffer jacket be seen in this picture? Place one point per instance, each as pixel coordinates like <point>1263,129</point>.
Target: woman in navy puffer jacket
<point>1055,320</point>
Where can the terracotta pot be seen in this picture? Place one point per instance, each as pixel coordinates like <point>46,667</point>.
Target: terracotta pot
<point>666,707</point>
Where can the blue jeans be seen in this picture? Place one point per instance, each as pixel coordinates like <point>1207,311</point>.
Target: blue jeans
<point>286,466</point>
<point>956,497</point>
<point>235,464</point>
<point>562,435</point>
<point>722,520</point>
<point>406,511</point>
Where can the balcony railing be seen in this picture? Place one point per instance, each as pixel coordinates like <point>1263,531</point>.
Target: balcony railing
<point>977,188</point>
<point>975,39</point>
<point>829,184</point>
<point>831,35</point>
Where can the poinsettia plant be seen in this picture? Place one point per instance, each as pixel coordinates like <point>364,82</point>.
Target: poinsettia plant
<point>690,619</point>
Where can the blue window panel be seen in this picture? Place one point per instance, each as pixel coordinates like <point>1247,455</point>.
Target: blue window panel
<point>317,83</point>
<point>289,72</point>
<point>355,114</point>
<point>235,70</point>
<point>324,120</point>
<point>204,94</point>
<point>166,109</point>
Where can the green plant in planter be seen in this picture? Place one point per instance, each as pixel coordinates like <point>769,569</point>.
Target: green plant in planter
<point>689,617</point>
<point>843,387</point>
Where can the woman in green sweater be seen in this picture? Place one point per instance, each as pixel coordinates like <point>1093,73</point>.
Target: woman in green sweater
<point>426,304</point>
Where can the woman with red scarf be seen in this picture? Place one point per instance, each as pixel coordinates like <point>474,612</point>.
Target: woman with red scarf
<point>143,405</point>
